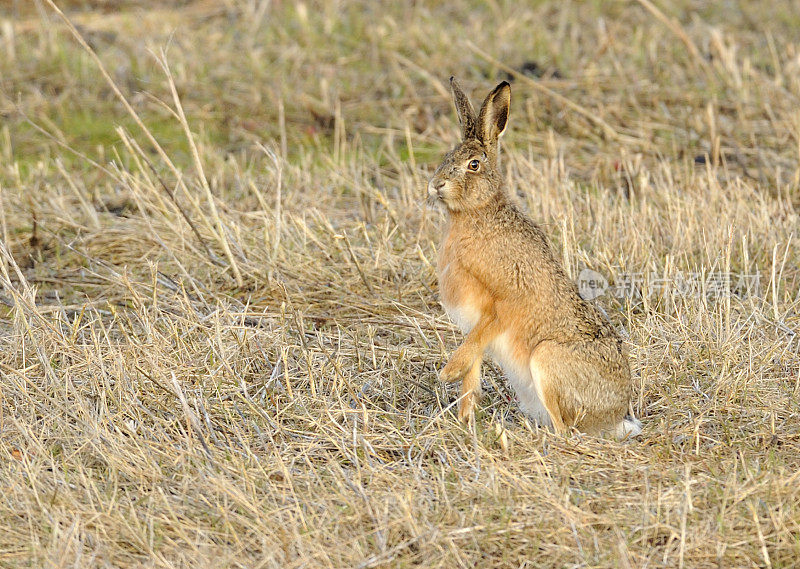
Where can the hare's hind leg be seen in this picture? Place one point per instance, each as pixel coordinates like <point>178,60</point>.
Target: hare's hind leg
<point>550,400</point>
<point>547,389</point>
<point>577,390</point>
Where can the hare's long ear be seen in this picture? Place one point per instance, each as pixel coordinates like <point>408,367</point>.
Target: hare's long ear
<point>493,118</point>
<point>466,114</point>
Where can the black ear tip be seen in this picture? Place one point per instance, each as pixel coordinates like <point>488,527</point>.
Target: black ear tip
<point>504,84</point>
<point>452,79</point>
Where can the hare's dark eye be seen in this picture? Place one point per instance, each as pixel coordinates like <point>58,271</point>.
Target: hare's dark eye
<point>474,165</point>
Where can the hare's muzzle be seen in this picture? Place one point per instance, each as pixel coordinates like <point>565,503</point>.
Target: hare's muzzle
<point>435,186</point>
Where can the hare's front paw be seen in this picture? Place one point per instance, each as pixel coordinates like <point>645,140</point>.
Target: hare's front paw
<point>457,367</point>
<point>466,406</point>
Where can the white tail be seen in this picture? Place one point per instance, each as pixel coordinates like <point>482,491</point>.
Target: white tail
<point>628,428</point>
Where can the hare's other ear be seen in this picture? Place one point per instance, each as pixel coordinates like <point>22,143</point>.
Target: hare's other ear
<point>494,114</point>
<point>466,114</point>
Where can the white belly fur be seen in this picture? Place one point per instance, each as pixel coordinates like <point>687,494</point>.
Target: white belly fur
<point>522,376</point>
<point>464,316</point>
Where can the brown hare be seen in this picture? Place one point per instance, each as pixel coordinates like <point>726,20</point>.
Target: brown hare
<point>501,284</point>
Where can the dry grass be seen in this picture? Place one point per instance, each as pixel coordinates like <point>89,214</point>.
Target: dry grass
<point>258,387</point>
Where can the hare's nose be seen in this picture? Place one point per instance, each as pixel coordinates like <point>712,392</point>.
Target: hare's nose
<point>435,185</point>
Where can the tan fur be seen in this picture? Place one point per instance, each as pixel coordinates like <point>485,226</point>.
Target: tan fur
<point>500,282</point>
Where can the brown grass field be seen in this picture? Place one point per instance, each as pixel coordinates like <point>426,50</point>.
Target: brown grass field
<point>219,325</point>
